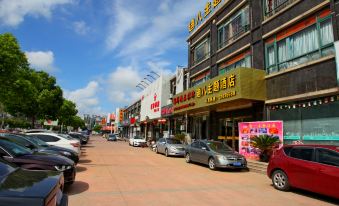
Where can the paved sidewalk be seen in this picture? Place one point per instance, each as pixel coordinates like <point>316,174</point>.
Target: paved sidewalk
<point>113,173</point>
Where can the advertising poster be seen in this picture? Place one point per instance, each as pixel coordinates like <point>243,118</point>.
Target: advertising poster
<point>250,130</point>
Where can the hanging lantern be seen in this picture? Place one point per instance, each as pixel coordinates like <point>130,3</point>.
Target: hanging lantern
<point>309,104</point>
<point>289,107</point>
<point>294,106</point>
<point>320,101</point>
<point>315,103</point>
<point>304,105</point>
<point>332,99</point>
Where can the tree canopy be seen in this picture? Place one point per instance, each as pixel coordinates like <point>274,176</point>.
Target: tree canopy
<point>26,92</point>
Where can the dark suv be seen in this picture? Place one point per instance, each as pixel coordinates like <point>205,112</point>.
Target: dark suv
<point>309,167</point>
<point>27,159</point>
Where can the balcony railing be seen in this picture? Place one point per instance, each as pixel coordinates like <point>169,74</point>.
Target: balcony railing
<point>274,6</point>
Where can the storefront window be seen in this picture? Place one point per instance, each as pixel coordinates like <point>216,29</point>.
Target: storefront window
<point>309,44</point>
<point>315,124</point>
<point>234,27</point>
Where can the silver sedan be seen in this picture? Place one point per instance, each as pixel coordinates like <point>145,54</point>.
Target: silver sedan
<point>170,147</point>
<point>215,154</point>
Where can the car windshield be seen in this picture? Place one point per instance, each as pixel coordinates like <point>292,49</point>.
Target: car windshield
<point>5,169</point>
<point>137,137</point>
<point>173,141</point>
<point>218,146</point>
<point>66,136</point>
<point>14,149</point>
<point>37,141</point>
<point>111,135</point>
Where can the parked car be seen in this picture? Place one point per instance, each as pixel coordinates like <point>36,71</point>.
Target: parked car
<point>27,159</point>
<point>137,141</point>
<point>64,141</point>
<point>309,167</point>
<point>170,146</point>
<point>112,137</point>
<point>38,130</point>
<point>35,144</point>
<point>82,138</point>
<point>215,154</point>
<point>20,187</point>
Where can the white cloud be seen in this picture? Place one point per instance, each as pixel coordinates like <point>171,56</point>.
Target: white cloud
<point>81,27</point>
<point>86,98</point>
<point>121,85</point>
<point>41,60</point>
<point>13,12</point>
<point>164,29</point>
<point>124,21</point>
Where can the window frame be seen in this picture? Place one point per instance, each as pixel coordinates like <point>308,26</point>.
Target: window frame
<point>228,67</point>
<point>317,154</point>
<point>43,135</point>
<point>207,55</point>
<point>303,148</point>
<point>276,66</point>
<point>223,27</point>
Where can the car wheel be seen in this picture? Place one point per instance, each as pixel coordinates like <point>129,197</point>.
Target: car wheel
<point>188,158</point>
<point>211,163</point>
<point>280,180</point>
<point>156,150</point>
<point>166,152</point>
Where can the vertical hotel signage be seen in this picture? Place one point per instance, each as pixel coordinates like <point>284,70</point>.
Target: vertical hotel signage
<point>210,7</point>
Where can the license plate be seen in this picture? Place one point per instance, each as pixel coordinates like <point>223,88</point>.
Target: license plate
<point>237,164</point>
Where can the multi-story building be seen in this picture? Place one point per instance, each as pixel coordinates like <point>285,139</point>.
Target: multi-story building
<point>263,60</point>
<point>131,120</point>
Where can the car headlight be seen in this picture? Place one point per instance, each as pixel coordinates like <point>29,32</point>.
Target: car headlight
<point>221,157</point>
<point>66,153</point>
<point>62,168</point>
<point>173,148</point>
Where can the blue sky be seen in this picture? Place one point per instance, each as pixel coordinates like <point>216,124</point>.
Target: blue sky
<point>100,49</point>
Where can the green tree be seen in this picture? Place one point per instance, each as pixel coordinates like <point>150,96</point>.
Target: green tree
<point>77,122</point>
<point>66,112</point>
<point>35,95</point>
<point>97,128</point>
<point>12,62</point>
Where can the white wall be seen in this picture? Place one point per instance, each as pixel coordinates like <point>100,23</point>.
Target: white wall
<point>160,87</point>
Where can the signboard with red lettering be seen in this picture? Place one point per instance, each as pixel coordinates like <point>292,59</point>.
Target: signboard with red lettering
<point>153,98</point>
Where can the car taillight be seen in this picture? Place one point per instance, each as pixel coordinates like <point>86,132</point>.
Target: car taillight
<point>75,144</point>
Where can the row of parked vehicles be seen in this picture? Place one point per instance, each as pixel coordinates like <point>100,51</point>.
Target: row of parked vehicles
<point>35,167</point>
<point>310,167</point>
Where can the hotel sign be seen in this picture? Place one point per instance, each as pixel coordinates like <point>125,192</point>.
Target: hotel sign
<point>240,83</point>
<point>210,7</point>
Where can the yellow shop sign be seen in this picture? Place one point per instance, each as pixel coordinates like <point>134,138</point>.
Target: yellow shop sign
<point>210,7</point>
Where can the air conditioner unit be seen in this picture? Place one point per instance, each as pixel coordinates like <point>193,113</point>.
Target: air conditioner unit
<point>171,96</point>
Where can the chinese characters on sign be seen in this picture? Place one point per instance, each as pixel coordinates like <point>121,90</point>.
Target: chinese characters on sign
<point>184,97</point>
<point>210,6</point>
<point>225,83</point>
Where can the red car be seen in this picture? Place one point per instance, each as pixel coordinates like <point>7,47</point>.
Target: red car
<point>310,167</point>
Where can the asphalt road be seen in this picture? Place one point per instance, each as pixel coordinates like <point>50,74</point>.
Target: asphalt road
<point>113,173</point>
